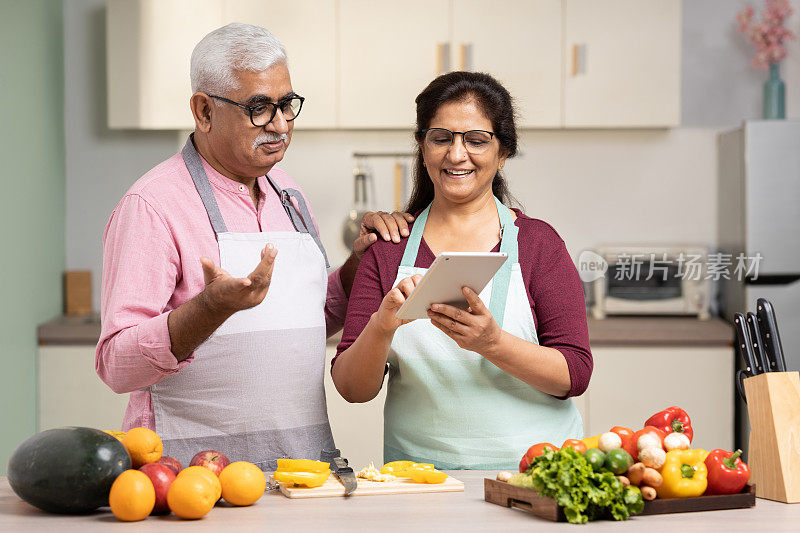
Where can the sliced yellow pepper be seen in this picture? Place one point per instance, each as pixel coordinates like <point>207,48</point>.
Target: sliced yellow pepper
<point>684,473</point>
<point>419,475</point>
<point>302,465</point>
<point>396,466</point>
<point>591,442</point>
<point>401,468</point>
<point>303,479</point>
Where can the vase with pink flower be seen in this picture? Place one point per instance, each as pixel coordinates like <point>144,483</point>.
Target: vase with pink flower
<point>768,36</point>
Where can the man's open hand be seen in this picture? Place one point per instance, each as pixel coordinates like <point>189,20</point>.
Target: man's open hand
<point>226,294</point>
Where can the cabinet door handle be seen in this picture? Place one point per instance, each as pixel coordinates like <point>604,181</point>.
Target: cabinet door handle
<point>465,56</point>
<point>578,59</point>
<point>442,58</point>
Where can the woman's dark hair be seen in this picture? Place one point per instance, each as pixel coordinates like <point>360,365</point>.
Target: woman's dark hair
<point>493,100</point>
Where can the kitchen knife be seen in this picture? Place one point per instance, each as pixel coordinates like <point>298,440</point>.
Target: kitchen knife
<point>755,341</point>
<point>771,339</point>
<point>341,468</point>
<point>744,345</point>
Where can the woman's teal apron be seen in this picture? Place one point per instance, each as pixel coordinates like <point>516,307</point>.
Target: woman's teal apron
<point>450,406</point>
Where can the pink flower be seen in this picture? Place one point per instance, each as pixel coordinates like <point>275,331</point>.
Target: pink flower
<point>768,34</point>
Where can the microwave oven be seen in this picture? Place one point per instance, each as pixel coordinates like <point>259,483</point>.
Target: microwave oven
<point>652,280</point>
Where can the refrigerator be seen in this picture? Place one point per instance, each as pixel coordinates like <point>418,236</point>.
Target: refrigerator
<point>759,214</point>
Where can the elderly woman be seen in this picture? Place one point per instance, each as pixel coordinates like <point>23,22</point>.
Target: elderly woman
<point>468,389</point>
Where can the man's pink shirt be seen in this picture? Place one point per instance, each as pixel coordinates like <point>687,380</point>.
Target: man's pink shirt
<point>152,247</point>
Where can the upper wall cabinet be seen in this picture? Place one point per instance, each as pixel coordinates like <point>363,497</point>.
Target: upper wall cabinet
<point>623,65</point>
<point>149,43</point>
<point>388,53</point>
<point>520,43</point>
<point>361,63</point>
<point>307,30</point>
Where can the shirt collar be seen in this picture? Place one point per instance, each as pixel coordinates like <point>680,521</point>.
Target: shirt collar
<point>223,182</point>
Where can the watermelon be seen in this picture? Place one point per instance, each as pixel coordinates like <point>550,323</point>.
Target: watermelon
<point>67,470</point>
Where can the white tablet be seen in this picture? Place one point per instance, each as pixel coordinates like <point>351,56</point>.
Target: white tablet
<point>442,283</point>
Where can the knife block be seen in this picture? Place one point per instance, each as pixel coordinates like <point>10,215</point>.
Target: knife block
<point>773,405</point>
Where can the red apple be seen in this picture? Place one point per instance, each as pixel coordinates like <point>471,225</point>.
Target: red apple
<point>211,459</point>
<point>162,477</point>
<point>171,462</point>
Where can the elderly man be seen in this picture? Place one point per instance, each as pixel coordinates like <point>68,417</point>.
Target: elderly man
<point>215,298</point>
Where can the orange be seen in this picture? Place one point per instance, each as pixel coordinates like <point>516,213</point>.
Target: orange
<point>205,473</point>
<point>143,445</point>
<point>191,496</point>
<point>132,496</point>
<point>243,483</point>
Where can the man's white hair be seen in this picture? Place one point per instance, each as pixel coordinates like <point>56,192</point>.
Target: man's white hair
<point>237,46</point>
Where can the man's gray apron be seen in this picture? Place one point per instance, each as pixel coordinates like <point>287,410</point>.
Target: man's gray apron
<point>255,388</point>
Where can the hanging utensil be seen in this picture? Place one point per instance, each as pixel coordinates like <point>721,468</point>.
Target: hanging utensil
<point>352,222</point>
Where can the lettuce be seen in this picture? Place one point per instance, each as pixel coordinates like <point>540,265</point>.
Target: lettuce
<point>581,492</point>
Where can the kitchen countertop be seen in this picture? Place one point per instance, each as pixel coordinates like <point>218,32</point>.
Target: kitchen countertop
<point>612,331</point>
<point>455,511</point>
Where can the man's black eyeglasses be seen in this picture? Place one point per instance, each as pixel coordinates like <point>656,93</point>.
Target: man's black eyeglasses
<point>262,114</point>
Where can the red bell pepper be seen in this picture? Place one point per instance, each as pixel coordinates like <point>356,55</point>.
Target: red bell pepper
<point>672,419</point>
<point>727,474</point>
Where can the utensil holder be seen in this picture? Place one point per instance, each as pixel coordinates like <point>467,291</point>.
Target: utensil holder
<point>773,405</point>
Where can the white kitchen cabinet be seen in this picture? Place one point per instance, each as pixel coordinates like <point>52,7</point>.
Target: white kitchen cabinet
<point>307,28</point>
<point>71,393</point>
<point>388,53</point>
<point>519,43</point>
<point>360,63</point>
<point>622,65</point>
<point>149,44</point>
<point>630,384</point>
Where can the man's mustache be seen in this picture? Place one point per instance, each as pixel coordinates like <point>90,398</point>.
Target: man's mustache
<point>269,137</point>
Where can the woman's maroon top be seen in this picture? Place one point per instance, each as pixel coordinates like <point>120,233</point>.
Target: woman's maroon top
<point>555,293</point>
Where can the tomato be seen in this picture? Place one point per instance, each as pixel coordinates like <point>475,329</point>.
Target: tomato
<point>648,429</point>
<point>577,445</point>
<point>628,441</point>
<point>534,451</point>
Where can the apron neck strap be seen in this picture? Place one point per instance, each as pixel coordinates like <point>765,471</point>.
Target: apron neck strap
<point>508,245</point>
<point>299,215</point>
<point>200,179</point>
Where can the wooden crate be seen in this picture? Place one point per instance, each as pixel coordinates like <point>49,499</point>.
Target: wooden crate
<point>501,493</point>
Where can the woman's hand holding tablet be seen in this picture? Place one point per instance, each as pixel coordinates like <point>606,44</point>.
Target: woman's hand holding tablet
<point>443,281</point>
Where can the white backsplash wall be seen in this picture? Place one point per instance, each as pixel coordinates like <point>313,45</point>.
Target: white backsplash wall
<point>592,186</point>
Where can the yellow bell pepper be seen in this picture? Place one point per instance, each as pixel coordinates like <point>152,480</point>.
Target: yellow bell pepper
<point>303,479</point>
<point>591,442</point>
<point>419,475</point>
<point>684,473</point>
<point>396,466</point>
<point>302,465</point>
<point>401,468</point>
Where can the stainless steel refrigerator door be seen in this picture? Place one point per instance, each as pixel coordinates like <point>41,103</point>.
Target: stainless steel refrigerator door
<point>772,194</point>
<point>786,301</point>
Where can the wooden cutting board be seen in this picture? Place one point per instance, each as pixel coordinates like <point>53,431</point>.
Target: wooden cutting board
<point>333,487</point>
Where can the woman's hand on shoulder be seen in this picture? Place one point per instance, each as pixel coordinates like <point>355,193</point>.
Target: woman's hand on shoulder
<point>394,299</point>
<point>474,329</point>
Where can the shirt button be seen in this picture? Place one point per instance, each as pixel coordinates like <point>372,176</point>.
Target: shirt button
<point>242,188</point>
